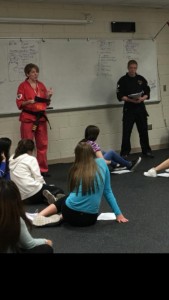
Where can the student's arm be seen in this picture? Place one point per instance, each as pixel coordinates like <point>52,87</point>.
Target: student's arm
<point>2,168</point>
<point>97,150</point>
<point>26,241</point>
<point>2,165</point>
<point>109,196</point>
<point>100,155</point>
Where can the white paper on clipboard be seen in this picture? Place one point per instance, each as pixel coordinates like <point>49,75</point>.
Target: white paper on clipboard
<point>135,96</point>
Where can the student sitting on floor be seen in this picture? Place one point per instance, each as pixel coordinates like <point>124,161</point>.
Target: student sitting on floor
<point>25,172</point>
<point>111,157</point>
<point>5,145</point>
<point>153,171</point>
<point>89,180</point>
<point>14,234</point>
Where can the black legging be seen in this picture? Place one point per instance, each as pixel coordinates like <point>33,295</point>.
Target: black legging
<point>73,217</point>
<point>39,198</point>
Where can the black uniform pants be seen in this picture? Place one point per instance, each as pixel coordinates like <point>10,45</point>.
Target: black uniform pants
<point>138,116</point>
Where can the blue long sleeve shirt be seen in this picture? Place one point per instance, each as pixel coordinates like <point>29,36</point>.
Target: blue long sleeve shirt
<point>3,171</point>
<point>90,203</point>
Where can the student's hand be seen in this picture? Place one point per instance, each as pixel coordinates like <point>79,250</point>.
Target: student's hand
<point>3,157</point>
<point>121,219</point>
<point>49,242</point>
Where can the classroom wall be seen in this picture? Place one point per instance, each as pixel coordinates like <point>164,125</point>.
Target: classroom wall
<point>68,127</point>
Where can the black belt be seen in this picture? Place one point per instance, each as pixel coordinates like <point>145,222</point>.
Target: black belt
<point>38,114</point>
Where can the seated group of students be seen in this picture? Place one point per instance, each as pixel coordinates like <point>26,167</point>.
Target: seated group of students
<point>89,180</point>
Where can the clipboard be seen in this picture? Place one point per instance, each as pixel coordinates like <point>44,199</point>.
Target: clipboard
<point>135,96</point>
<point>41,100</point>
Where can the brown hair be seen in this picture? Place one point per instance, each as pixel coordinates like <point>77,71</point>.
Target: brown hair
<point>23,147</point>
<point>84,170</point>
<point>28,68</point>
<point>91,133</point>
<point>132,62</point>
<point>11,209</point>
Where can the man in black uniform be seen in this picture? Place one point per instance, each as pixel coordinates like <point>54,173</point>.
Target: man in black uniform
<point>133,89</point>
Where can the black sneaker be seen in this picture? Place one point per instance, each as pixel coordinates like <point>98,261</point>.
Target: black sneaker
<point>148,154</point>
<point>125,156</point>
<point>119,168</point>
<point>134,164</point>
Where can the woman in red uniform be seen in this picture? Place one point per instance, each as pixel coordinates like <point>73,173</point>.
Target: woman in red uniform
<point>33,99</point>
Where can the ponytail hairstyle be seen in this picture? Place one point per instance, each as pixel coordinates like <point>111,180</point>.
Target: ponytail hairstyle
<point>24,146</point>
<point>91,133</point>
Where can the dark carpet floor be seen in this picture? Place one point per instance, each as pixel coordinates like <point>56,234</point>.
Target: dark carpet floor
<point>144,201</point>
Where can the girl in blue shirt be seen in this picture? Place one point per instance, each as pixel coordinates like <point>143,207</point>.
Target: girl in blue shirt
<point>89,180</point>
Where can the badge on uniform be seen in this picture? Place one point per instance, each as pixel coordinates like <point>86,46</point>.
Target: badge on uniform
<point>140,82</point>
<point>19,96</point>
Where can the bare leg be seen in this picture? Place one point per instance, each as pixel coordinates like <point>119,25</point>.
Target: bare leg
<point>164,165</point>
<point>48,211</point>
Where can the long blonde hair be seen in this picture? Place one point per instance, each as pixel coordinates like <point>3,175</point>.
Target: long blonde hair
<point>84,170</point>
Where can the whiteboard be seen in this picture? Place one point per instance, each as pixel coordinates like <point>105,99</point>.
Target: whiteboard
<point>14,55</point>
<point>82,72</point>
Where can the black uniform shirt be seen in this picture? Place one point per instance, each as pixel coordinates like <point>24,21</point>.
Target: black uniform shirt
<point>131,85</point>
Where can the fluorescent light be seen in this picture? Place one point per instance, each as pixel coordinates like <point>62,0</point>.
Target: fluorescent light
<point>45,21</point>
